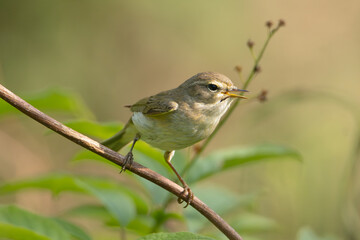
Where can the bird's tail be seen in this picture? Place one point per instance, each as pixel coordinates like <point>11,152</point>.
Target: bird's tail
<point>122,138</point>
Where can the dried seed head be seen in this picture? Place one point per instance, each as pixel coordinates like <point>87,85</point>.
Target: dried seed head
<point>250,44</point>
<point>263,96</point>
<point>281,23</point>
<point>269,24</point>
<point>238,68</point>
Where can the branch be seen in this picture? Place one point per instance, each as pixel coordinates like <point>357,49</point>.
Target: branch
<point>116,158</point>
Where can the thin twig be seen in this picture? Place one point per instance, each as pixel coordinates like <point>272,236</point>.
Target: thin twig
<point>116,158</point>
<point>252,74</point>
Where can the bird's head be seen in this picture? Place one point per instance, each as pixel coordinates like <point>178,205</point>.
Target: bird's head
<point>211,88</point>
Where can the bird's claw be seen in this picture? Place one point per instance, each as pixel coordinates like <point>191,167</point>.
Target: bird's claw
<point>188,194</point>
<point>129,158</point>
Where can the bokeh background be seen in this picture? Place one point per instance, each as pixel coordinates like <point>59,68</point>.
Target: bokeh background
<point>111,53</point>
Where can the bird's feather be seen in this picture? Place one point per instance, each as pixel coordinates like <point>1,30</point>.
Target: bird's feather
<point>154,106</point>
<point>122,138</point>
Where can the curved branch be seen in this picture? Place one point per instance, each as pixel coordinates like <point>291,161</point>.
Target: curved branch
<point>116,158</point>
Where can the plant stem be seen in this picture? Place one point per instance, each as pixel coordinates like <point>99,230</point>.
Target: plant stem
<point>234,105</point>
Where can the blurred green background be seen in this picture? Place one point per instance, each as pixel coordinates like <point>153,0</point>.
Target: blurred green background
<point>112,53</point>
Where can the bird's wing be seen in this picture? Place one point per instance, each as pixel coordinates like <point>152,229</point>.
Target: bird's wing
<point>154,106</point>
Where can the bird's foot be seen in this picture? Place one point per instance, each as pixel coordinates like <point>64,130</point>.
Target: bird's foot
<point>129,158</point>
<point>188,194</point>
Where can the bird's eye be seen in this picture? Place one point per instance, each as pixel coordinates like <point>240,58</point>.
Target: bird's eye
<point>212,87</point>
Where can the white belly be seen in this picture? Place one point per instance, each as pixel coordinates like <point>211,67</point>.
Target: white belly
<point>175,130</point>
<point>171,133</point>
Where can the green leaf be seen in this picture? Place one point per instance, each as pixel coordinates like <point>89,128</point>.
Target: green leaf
<point>97,212</point>
<point>140,204</point>
<point>253,223</point>
<point>75,231</point>
<point>158,194</point>
<point>56,183</point>
<point>53,100</point>
<point>16,223</point>
<point>118,204</point>
<point>174,236</point>
<point>8,231</point>
<point>85,155</point>
<point>95,129</point>
<point>161,216</point>
<point>61,182</point>
<point>142,224</point>
<point>219,199</point>
<point>222,160</point>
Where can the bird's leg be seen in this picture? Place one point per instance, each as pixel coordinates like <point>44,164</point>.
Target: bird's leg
<point>187,191</point>
<point>129,158</point>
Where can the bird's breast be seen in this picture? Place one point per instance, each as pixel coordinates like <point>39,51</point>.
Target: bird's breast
<point>175,130</point>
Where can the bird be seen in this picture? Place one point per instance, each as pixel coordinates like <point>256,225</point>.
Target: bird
<point>177,118</point>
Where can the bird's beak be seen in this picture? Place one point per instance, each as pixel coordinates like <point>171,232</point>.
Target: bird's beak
<point>230,92</point>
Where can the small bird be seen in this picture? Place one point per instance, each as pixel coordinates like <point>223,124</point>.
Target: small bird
<point>178,118</point>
